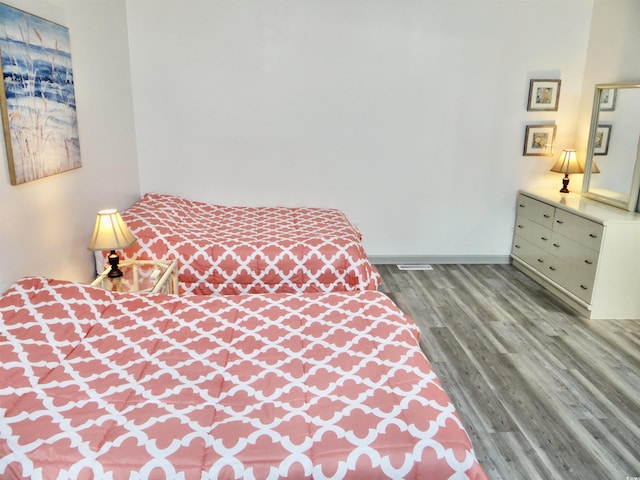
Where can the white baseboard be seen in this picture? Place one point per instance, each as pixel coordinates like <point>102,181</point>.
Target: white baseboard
<point>439,259</point>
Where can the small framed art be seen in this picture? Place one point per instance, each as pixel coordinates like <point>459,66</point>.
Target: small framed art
<point>608,100</point>
<point>601,143</point>
<point>543,95</point>
<point>539,140</point>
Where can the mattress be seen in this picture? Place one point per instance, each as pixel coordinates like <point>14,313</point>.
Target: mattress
<point>234,249</point>
<point>97,384</point>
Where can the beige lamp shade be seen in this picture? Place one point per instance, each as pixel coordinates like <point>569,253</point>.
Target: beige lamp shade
<point>110,232</point>
<point>567,163</point>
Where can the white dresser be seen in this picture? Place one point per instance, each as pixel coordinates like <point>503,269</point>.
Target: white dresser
<point>584,251</point>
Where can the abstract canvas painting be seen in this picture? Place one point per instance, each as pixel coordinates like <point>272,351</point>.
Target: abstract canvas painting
<point>37,97</point>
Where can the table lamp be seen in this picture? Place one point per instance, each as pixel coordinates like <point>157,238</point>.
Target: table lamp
<point>567,163</point>
<point>110,233</point>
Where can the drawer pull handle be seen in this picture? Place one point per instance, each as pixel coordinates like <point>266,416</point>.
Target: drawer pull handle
<point>546,216</point>
<point>583,287</point>
<point>556,245</point>
<point>540,260</point>
<point>520,226</point>
<point>521,205</point>
<point>544,238</point>
<point>553,269</point>
<point>559,221</point>
<point>592,235</point>
<point>516,246</point>
<point>588,262</point>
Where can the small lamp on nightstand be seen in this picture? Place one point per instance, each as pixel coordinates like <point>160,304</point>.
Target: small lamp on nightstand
<point>567,163</point>
<point>110,233</point>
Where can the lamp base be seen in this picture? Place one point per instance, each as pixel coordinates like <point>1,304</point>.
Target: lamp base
<point>565,184</point>
<point>115,272</point>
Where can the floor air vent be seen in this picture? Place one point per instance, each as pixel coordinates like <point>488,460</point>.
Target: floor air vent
<point>415,266</point>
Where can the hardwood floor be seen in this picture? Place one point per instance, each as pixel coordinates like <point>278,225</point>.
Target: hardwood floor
<point>543,393</point>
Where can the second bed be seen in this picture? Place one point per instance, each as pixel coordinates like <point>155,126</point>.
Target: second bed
<point>235,249</point>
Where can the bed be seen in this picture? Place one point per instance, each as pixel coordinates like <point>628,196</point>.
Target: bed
<point>233,249</point>
<point>97,384</point>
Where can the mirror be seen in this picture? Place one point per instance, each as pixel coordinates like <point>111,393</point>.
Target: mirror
<point>612,166</point>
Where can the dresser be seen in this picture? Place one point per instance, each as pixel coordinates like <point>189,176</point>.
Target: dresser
<point>585,252</point>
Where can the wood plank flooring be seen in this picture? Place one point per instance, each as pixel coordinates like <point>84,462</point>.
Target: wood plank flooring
<point>543,392</point>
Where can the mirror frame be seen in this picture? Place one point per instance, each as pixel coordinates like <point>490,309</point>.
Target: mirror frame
<point>632,197</point>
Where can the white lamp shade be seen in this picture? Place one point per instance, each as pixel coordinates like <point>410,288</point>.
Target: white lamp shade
<point>567,163</point>
<point>110,232</point>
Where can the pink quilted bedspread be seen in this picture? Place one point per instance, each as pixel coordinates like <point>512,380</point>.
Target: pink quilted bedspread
<point>232,250</point>
<point>95,384</point>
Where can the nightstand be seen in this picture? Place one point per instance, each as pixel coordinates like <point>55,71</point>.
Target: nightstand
<point>142,276</point>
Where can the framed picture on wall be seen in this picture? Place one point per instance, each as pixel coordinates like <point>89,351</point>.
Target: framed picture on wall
<point>539,139</point>
<point>601,144</point>
<point>37,103</point>
<point>608,100</point>
<point>543,95</point>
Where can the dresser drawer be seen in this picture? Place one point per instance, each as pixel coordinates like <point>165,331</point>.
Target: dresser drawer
<point>579,281</point>
<point>527,251</point>
<point>533,232</point>
<point>539,212</point>
<point>536,257</point>
<point>575,278</point>
<point>573,252</point>
<point>577,228</point>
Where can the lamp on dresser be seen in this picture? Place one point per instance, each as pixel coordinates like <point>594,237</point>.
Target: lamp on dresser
<point>111,233</point>
<point>567,163</point>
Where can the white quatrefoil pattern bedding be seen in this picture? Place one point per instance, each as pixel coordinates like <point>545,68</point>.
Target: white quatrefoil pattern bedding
<point>230,250</point>
<point>101,385</point>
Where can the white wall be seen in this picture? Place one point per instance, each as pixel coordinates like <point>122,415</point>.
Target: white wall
<point>45,225</point>
<point>409,115</point>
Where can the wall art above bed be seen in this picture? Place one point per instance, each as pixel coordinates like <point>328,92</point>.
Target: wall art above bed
<point>37,97</point>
